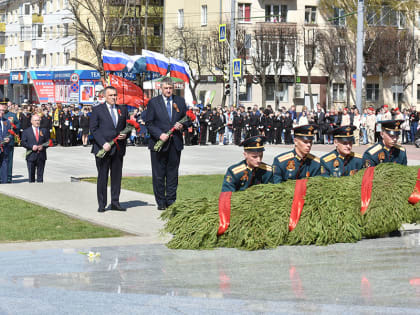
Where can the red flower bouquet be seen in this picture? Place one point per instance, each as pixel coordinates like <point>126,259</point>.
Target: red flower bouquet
<point>131,124</point>
<point>47,144</point>
<point>189,116</point>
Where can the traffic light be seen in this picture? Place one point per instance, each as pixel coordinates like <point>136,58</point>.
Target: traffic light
<point>227,89</point>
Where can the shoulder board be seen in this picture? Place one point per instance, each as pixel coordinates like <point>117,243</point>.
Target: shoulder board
<point>357,155</point>
<point>329,157</point>
<point>285,157</point>
<point>401,148</point>
<point>375,149</point>
<point>266,167</point>
<point>313,157</point>
<point>239,169</point>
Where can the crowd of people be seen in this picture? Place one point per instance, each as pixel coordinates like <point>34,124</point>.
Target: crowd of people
<point>221,126</point>
<point>69,125</point>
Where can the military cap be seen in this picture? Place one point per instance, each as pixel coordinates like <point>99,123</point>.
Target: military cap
<point>254,144</point>
<point>306,132</point>
<point>392,127</point>
<point>344,133</point>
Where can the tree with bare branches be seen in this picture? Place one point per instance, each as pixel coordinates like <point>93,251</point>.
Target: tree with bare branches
<point>97,24</point>
<point>311,42</point>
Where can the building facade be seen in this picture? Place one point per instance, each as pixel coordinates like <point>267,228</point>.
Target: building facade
<point>286,79</point>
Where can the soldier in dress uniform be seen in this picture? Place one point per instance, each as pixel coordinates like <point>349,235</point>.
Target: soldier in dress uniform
<point>342,161</point>
<point>298,163</point>
<point>388,150</point>
<point>250,171</point>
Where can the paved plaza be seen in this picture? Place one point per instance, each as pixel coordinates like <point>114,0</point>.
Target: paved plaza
<point>137,274</point>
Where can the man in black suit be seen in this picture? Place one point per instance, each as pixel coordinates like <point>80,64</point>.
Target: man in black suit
<point>163,112</point>
<point>33,139</point>
<point>106,123</point>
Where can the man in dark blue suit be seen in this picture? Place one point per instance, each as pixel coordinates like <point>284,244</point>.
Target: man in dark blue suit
<point>106,123</point>
<point>33,139</point>
<point>163,112</point>
<point>5,139</point>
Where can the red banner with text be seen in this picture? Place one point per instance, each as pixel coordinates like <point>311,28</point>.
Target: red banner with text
<point>128,93</point>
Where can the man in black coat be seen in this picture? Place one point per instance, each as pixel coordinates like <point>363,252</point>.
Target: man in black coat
<point>106,123</point>
<point>33,139</point>
<point>163,112</point>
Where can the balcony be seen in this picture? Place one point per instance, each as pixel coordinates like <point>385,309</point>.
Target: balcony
<point>2,27</point>
<point>25,20</point>
<point>37,19</point>
<point>25,45</point>
<point>39,43</point>
<point>2,49</point>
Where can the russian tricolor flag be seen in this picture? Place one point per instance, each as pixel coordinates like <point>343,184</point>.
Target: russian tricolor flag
<point>155,62</point>
<point>179,69</point>
<point>116,61</point>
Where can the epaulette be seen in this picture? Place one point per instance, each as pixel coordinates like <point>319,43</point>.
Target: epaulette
<point>400,147</point>
<point>330,157</point>
<point>313,157</point>
<point>357,155</point>
<point>265,167</point>
<point>375,148</point>
<point>285,157</point>
<point>239,169</point>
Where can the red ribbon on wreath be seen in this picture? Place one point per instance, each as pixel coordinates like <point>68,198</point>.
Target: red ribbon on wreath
<point>298,202</point>
<point>415,196</point>
<point>224,211</point>
<point>366,192</point>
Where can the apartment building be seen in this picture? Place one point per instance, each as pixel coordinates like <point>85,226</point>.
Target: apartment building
<point>299,17</point>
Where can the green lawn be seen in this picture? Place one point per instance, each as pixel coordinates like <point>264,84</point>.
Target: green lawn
<point>188,186</point>
<point>23,221</point>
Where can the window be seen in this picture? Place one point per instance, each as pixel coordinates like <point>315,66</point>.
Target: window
<point>25,33</point>
<point>58,59</point>
<point>282,92</point>
<point>247,96</point>
<point>310,15</point>
<point>372,92</point>
<point>372,17</point>
<point>203,15</point>
<point>51,32</point>
<point>26,60</point>
<point>418,90</point>
<point>276,13</point>
<point>58,34</point>
<point>67,58</point>
<point>181,53</point>
<point>204,55</point>
<point>38,60</point>
<point>36,31</point>
<point>156,29</point>
<point>338,92</point>
<point>180,18</point>
<point>66,30</point>
<point>339,55</point>
<point>339,21</point>
<point>26,9</point>
<point>51,60</point>
<point>244,12</point>
<point>44,60</point>
<point>310,53</point>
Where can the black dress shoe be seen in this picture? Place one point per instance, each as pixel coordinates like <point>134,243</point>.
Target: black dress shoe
<point>100,209</point>
<point>117,207</point>
<point>161,208</point>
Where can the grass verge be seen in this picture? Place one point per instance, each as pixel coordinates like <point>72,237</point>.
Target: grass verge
<point>24,221</point>
<point>189,186</point>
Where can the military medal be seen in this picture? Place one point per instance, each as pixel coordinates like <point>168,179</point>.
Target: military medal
<point>290,165</point>
<point>307,174</point>
<point>229,178</point>
<point>381,156</point>
<point>245,176</point>
<point>336,163</point>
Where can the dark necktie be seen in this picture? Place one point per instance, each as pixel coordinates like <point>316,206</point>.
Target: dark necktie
<point>114,119</point>
<point>168,108</point>
<point>300,168</point>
